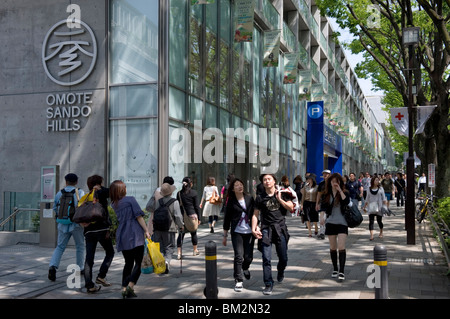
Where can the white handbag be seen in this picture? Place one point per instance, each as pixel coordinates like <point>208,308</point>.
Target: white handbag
<point>373,207</point>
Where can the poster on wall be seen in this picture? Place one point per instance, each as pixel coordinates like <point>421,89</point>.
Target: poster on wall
<point>271,48</point>
<point>304,79</point>
<point>244,20</point>
<point>290,68</point>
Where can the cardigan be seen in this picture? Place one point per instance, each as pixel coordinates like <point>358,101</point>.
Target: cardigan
<point>234,210</point>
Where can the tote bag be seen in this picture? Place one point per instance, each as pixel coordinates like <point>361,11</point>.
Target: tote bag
<point>190,221</point>
<point>158,261</point>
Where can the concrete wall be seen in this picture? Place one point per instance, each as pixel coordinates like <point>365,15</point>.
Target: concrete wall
<point>25,143</point>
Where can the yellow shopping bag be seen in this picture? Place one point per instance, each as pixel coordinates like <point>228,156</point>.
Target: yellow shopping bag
<point>158,261</point>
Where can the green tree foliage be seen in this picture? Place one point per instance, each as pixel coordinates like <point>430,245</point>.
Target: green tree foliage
<point>377,27</point>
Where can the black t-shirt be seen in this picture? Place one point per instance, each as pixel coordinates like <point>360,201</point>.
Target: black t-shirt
<point>353,188</point>
<point>272,211</point>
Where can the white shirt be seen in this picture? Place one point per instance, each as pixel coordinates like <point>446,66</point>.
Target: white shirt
<point>422,179</point>
<point>243,227</point>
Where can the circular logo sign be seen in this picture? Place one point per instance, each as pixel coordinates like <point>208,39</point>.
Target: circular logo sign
<point>315,111</point>
<point>69,54</point>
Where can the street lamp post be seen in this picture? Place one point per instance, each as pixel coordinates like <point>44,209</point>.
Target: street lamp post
<point>410,38</point>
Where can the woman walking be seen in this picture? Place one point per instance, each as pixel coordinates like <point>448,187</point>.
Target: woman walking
<point>210,210</point>
<point>129,236</point>
<point>163,235</point>
<point>374,202</point>
<point>98,232</point>
<point>238,216</point>
<point>309,198</point>
<point>189,205</point>
<point>336,228</point>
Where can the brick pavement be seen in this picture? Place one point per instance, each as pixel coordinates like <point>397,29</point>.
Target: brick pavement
<point>414,271</point>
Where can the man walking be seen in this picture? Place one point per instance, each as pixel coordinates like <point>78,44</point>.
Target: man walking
<point>272,208</point>
<point>70,196</point>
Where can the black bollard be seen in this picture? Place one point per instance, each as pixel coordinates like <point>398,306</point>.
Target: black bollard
<point>211,290</point>
<point>380,259</point>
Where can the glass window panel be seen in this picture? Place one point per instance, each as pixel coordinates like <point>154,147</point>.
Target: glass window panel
<point>236,84</point>
<point>134,156</point>
<point>224,74</point>
<point>211,63</point>
<point>134,41</point>
<point>211,116</point>
<point>177,51</point>
<point>224,121</point>
<point>133,101</point>
<point>177,104</point>
<point>225,21</point>
<point>195,51</point>
<point>196,109</point>
<point>256,75</point>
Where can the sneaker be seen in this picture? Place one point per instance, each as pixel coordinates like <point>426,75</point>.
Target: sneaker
<point>94,289</point>
<point>102,281</point>
<point>268,289</point>
<point>247,274</point>
<point>196,253</point>
<point>179,256</point>
<point>341,276</point>
<point>52,273</point>
<point>334,274</point>
<point>239,286</point>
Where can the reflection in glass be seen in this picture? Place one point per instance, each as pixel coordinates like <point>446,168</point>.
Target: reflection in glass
<point>134,42</point>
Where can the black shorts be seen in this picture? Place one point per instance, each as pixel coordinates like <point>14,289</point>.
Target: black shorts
<point>335,229</point>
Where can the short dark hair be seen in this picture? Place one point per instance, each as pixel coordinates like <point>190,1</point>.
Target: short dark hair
<point>94,180</point>
<point>169,180</point>
<point>71,179</point>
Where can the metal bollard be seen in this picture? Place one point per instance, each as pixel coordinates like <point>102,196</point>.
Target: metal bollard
<point>380,259</point>
<point>211,289</point>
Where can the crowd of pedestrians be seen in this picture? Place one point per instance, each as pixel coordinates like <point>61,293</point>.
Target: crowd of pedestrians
<point>247,219</point>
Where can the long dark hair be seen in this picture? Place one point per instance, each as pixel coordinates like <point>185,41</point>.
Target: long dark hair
<point>187,184</point>
<point>230,190</point>
<point>329,188</point>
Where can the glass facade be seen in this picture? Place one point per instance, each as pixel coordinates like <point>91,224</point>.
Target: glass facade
<point>214,85</point>
<point>133,96</point>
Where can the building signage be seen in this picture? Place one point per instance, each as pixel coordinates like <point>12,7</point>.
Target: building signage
<point>431,175</point>
<point>69,53</point>
<point>65,110</point>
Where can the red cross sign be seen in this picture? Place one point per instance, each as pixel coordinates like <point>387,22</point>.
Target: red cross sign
<point>399,116</point>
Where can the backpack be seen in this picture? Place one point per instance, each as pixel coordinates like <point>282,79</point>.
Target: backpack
<point>162,217</point>
<point>66,207</point>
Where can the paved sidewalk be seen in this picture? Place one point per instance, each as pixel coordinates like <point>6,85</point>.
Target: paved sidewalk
<point>414,271</point>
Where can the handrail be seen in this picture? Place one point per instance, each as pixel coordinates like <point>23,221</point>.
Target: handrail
<point>15,212</point>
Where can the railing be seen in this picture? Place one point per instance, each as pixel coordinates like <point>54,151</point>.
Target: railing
<point>14,214</point>
<point>442,232</point>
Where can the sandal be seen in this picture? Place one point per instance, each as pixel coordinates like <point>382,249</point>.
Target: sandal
<point>94,289</point>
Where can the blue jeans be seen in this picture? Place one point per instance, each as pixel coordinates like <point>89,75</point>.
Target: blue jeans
<point>281,248</point>
<point>64,234</point>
